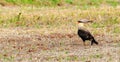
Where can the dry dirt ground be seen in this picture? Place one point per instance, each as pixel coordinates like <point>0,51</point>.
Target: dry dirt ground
<point>26,45</point>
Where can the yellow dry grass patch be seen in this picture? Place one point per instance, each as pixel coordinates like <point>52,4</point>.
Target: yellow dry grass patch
<point>50,34</point>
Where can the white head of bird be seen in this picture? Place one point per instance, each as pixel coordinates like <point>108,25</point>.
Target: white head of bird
<point>81,23</point>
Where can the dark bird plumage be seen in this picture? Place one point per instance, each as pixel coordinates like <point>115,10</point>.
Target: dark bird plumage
<point>85,34</point>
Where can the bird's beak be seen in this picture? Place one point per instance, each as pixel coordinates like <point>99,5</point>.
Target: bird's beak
<point>78,22</point>
<point>90,21</point>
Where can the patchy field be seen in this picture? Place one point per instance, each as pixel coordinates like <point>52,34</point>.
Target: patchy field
<point>49,35</point>
<point>25,45</point>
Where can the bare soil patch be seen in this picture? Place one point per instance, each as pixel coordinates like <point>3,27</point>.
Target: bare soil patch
<point>56,47</point>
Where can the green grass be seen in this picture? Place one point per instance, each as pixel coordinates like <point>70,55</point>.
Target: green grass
<point>72,58</point>
<point>59,17</point>
<point>116,30</point>
<point>56,17</point>
<point>83,58</point>
<point>96,56</point>
<point>113,3</point>
<point>20,1</point>
<point>83,3</point>
<point>7,58</point>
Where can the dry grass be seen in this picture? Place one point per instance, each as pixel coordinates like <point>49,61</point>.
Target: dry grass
<point>49,34</point>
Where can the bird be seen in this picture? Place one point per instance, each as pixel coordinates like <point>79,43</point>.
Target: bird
<point>83,33</point>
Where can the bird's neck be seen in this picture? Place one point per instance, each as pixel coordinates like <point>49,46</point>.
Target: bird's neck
<point>81,26</point>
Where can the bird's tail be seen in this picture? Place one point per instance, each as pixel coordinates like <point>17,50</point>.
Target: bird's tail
<point>94,41</point>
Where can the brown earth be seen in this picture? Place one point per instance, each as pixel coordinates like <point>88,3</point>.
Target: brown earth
<point>56,47</point>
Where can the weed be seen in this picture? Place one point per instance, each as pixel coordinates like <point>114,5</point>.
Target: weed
<point>96,56</point>
<point>113,3</point>
<point>116,30</point>
<point>83,59</point>
<point>110,21</point>
<point>16,21</point>
<point>66,52</point>
<point>20,1</point>
<point>97,25</point>
<point>9,59</point>
<point>55,2</point>
<point>72,58</point>
<point>69,1</point>
<point>110,59</point>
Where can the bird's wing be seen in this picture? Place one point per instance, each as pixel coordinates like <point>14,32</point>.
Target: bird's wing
<point>84,33</point>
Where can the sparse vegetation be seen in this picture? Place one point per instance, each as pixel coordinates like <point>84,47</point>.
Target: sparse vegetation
<point>45,30</point>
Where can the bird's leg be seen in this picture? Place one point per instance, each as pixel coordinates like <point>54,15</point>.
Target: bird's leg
<point>91,42</point>
<point>84,43</point>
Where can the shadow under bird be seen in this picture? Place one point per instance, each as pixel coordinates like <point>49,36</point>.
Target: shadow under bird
<point>84,33</point>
